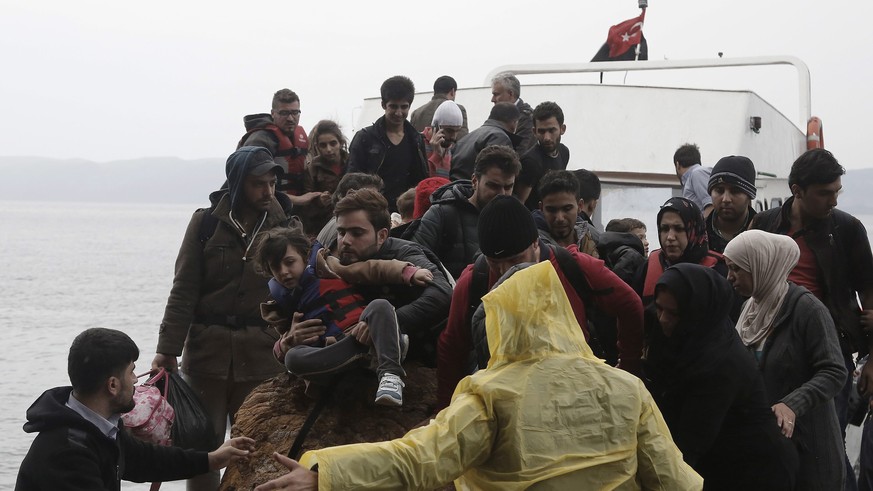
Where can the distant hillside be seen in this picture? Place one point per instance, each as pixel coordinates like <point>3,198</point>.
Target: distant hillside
<point>173,180</point>
<point>147,180</point>
<point>855,198</point>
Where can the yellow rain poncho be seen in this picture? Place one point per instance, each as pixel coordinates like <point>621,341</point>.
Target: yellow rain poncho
<point>546,414</point>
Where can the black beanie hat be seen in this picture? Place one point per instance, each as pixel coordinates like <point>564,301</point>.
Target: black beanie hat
<point>734,170</point>
<point>506,228</point>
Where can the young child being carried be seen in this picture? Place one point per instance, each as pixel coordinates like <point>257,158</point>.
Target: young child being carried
<point>308,284</point>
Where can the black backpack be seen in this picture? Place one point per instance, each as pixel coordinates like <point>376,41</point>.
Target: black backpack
<point>574,274</point>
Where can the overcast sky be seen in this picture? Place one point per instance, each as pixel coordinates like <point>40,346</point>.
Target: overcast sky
<point>107,80</point>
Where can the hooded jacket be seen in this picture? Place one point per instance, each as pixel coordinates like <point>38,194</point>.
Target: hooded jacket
<point>215,300</point>
<point>70,453</point>
<point>467,148</point>
<point>449,228</point>
<point>622,252</point>
<point>545,414</point>
<point>708,386</point>
<point>289,153</point>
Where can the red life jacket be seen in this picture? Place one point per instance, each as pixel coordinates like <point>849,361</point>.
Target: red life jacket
<point>294,153</point>
<point>337,297</point>
<point>654,270</point>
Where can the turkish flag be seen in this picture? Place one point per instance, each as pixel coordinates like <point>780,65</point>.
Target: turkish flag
<point>625,35</point>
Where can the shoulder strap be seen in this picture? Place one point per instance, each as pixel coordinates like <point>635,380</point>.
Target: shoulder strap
<point>207,225</point>
<point>478,285</point>
<point>577,278</point>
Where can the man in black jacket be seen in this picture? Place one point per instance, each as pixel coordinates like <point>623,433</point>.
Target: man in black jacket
<point>835,264</point>
<point>449,228</point>
<point>546,155</point>
<point>391,147</point>
<point>362,233</point>
<point>498,129</point>
<point>82,444</point>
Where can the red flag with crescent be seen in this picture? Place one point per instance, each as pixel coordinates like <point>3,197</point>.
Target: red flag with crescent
<point>625,35</point>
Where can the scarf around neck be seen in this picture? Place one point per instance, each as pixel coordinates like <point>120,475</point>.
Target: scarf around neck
<point>769,258</point>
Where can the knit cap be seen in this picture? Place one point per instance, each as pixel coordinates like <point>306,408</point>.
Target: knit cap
<point>506,228</point>
<point>734,170</point>
<point>423,190</point>
<point>448,114</point>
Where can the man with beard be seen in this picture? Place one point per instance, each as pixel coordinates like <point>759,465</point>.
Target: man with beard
<point>213,311</point>
<point>548,153</point>
<point>391,147</point>
<point>732,189</point>
<point>507,237</point>
<point>558,215</point>
<point>82,444</point>
<point>362,224</point>
<point>449,227</point>
<point>835,264</point>
<point>280,133</point>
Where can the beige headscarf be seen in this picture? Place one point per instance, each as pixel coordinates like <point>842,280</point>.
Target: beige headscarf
<point>769,258</point>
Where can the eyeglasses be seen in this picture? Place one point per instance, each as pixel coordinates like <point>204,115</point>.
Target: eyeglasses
<point>292,112</point>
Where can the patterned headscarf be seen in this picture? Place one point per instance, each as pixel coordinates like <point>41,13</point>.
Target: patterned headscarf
<point>695,228</point>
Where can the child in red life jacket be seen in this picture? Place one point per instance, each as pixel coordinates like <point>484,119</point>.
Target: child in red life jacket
<point>320,287</point>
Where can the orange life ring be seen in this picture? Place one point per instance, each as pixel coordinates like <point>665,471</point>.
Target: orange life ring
<point>814,134</point>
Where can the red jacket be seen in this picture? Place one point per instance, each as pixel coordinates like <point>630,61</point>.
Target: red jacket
<point>455,342</point>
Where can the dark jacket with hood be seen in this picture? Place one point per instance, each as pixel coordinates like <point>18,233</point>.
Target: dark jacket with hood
<point>710,391</point>
<point>367,154</point>
<point>70,453</point>
<point>449,228</point>
<point>623,253</point>
<point>288,152</point>
<point>215,300</point>
<point>845,264</point>
<point>467,148</point>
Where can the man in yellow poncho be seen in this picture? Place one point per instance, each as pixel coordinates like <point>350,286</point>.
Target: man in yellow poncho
<point>546,415</point>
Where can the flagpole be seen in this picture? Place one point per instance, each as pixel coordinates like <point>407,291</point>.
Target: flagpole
<point>644,4</point>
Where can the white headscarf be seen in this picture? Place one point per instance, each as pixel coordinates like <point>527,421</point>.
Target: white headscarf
<point>769,258</point>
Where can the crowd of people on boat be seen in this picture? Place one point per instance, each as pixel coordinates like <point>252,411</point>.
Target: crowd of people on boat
<point>567,356</point>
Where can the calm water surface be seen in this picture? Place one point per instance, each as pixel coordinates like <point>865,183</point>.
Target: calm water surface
<point>67,267</point>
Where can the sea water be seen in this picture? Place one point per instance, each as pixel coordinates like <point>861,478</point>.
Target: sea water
<point>70,266</point>
<point>67,267</point>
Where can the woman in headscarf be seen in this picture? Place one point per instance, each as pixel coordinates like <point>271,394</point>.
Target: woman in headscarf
<point>682,234</point>
<point>794,340</point>
<point>709,389</point>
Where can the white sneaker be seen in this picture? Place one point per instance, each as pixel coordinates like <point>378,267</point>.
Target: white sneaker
<point>390,391</point>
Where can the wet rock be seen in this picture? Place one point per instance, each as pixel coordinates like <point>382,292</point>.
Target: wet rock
<point>275,410</point>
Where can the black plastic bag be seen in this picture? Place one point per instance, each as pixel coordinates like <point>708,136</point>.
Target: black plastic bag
<point>192,428</point>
